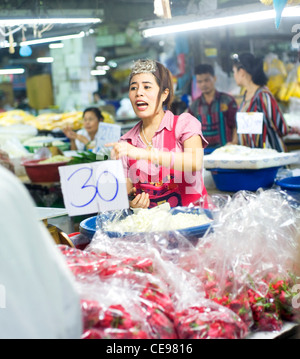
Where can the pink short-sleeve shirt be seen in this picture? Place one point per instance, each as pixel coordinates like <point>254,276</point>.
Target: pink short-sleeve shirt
<point>187,126</point>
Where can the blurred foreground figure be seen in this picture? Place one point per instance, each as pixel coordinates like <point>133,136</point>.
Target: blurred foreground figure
<point>37,294</point>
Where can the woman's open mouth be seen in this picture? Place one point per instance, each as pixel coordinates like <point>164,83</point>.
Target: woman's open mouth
<point>141,105</point>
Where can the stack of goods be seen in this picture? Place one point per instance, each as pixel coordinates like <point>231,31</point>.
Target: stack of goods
<point>242,157</point>
<point>15,117</point>
<point>48,121</point>
<point>53,121</point>
<point>276,72</point>
<point>291,87</point>
<point>160,286</point>
<point>236,168</point>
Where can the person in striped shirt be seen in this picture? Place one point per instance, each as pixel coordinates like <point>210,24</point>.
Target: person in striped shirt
<point>248,73</point>
<point>215,110</point>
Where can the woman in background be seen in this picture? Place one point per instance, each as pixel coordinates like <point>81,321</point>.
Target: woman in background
<point>84,139</point>
<point>248,73</point>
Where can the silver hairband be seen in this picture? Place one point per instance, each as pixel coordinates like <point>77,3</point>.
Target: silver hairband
<point>144,66</point>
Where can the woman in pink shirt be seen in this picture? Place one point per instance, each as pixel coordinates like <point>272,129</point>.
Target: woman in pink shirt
<point>163,153</point>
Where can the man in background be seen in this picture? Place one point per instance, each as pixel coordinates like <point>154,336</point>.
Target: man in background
<point>215,110</point>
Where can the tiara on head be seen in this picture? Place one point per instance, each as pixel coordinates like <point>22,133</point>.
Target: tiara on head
<point>144,66</point>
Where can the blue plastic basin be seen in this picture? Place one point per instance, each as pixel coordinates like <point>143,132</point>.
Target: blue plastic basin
<point>291,185</point>
<point>232,180</point>
<point>88,227</point>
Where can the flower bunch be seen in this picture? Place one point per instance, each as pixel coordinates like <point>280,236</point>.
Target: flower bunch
<point>153,306</point>
<point>285,298</point>
<point>111,323</point>
<point>240,305</point>
<point>265,315</point>
<point>158,309</point>
<point>227,297</point>
<point>128,297</point>
<point>210,321</point>
<point>262,304</point>
<point>82,263</point>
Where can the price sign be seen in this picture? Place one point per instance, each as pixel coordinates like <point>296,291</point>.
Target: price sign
<point>93,187</point>
<point>107,133</point>
<point>250,123</point>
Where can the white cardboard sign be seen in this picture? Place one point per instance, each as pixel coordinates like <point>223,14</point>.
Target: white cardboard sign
<point>94,187</point>
<point>107,133</point>
<point>250,123</point>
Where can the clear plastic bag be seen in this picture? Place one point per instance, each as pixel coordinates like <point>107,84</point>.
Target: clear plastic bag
<point>238,278</point>
<point>208,320</point>
<point>124,289</point>
<point>251,249</point>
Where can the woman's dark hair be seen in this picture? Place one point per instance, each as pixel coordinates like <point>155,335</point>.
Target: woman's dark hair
<point>96,111</point>
<point>204,69</point>
<point>164,80</point>
<point>253,65</point>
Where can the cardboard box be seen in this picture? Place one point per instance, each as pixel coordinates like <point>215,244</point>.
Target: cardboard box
<point>40,91</point>
<point>6,88</point>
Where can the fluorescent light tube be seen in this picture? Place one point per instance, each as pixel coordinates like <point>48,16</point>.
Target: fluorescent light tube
<point>52,39</point>
<point>104,68</point>
<point>219,22</point>
<point>100,59</point>
<point>58,45</point>
<point>209,23</point>
<point>45,60</point>
<point>45,21</point>
<point>12,72</point>
<point>98,72</point>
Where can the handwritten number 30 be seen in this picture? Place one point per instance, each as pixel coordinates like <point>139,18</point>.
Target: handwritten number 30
<point>88,185</point>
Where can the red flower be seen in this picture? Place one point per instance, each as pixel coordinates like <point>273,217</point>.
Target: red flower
<point>209,322</point>
<point>116,317</point>
<point>91,313</point>
<point>153,293</point>
<point>161,327</point>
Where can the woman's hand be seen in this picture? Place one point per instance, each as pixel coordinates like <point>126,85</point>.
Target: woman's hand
<point>140,200</point>
<point>123,148</point>
<point>72,135</point>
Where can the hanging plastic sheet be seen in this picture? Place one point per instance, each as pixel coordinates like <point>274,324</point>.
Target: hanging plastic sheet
<point>279,6</point>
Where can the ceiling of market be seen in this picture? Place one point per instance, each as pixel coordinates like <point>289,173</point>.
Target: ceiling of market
<point>119,12</point>
<point>115,14</point>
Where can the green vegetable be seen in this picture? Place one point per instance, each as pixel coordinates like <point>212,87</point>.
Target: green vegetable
<point>88,157</point>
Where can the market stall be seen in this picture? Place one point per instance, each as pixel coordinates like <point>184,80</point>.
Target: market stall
<point>160,284</point>
<point>226,267</point>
